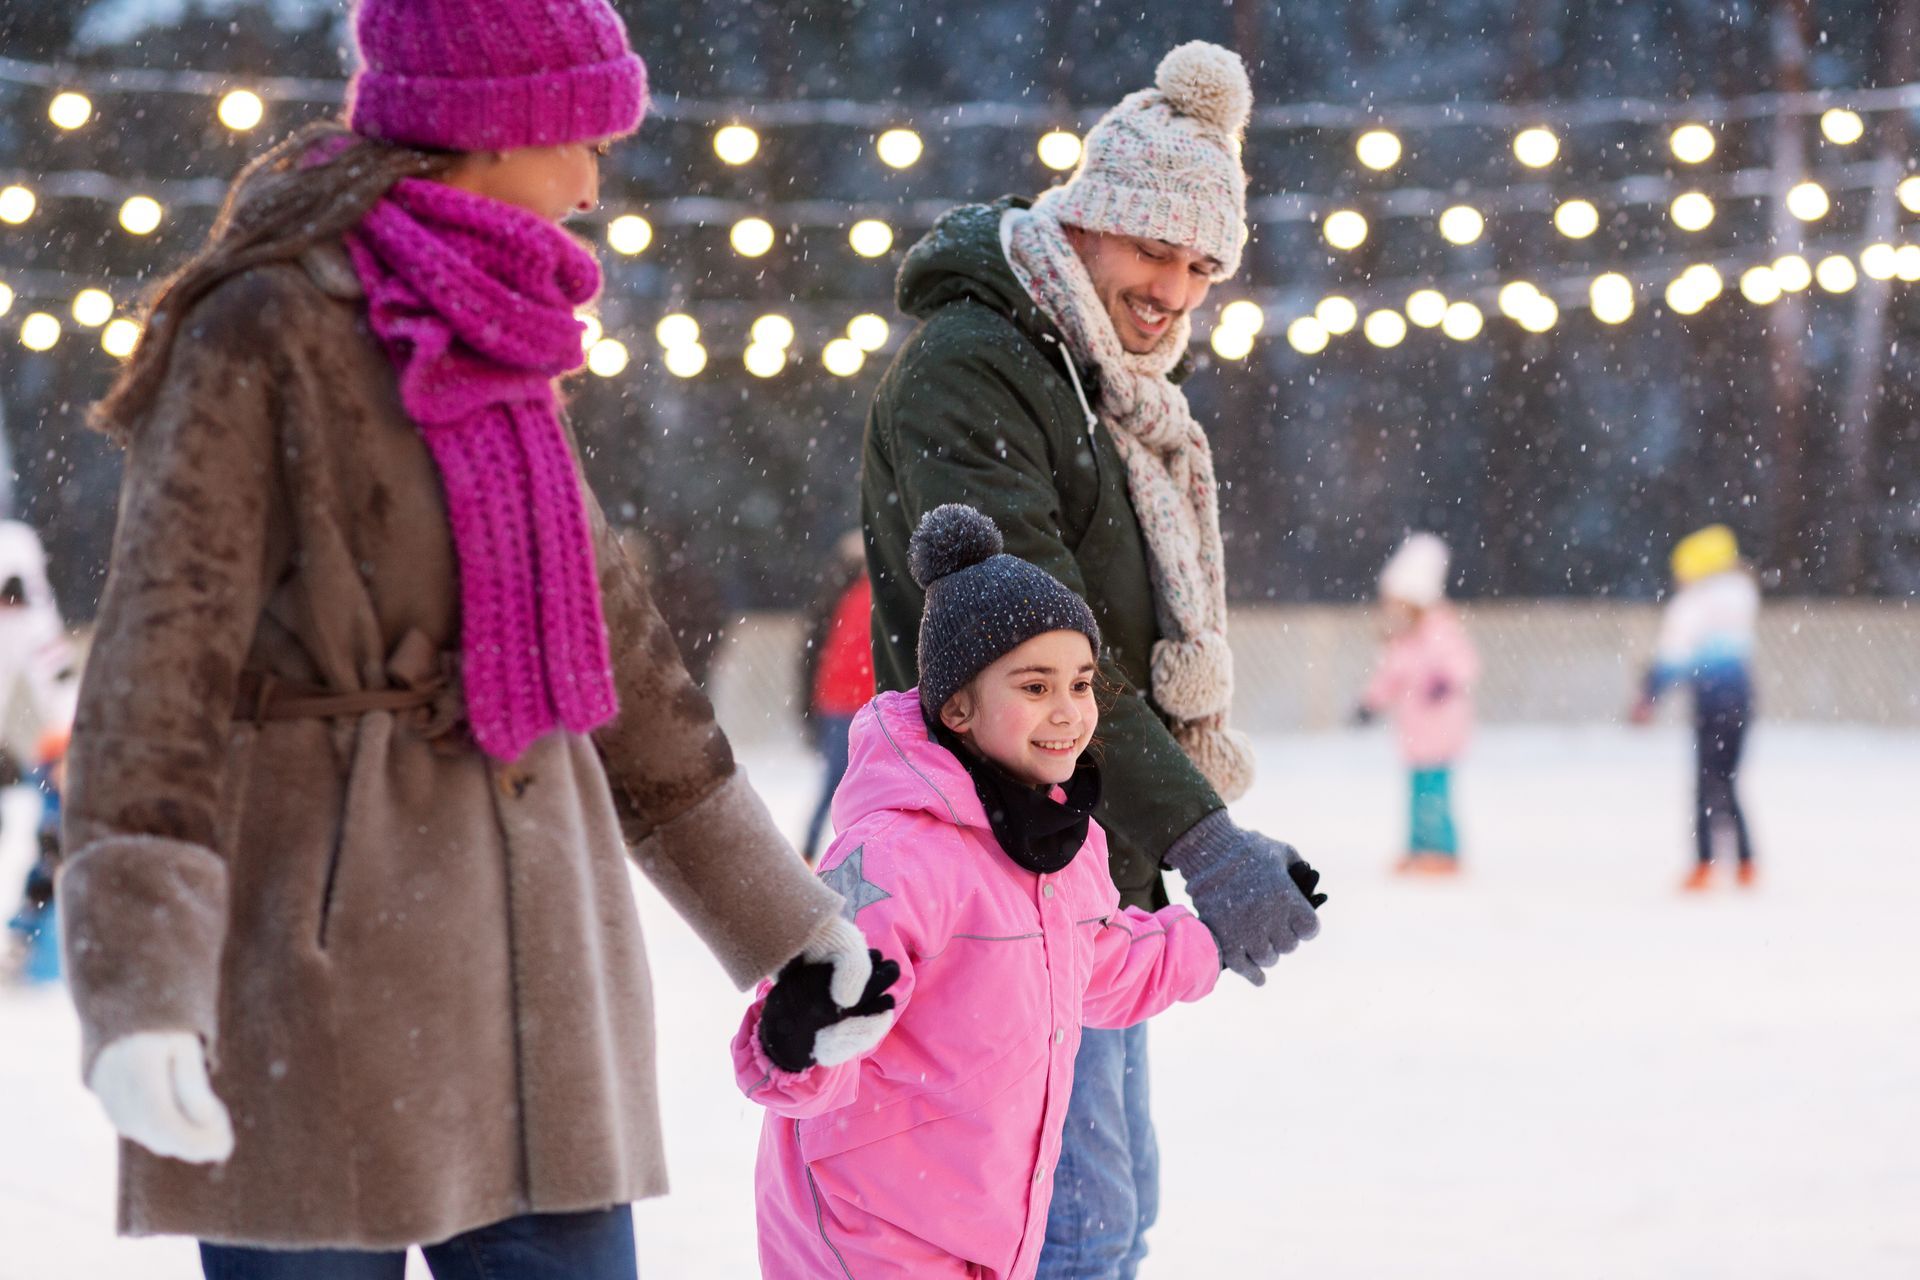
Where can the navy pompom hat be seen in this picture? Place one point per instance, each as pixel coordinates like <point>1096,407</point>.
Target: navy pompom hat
<point>982,604</point>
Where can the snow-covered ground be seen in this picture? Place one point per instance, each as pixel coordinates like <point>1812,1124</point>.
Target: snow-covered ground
<point>1558,1066</point>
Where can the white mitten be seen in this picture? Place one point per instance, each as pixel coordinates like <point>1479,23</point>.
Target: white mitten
<point>154,1087</point>
<point>841,944</point>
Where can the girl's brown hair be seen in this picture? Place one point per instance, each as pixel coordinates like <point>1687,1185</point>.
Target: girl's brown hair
<point>281,205</point>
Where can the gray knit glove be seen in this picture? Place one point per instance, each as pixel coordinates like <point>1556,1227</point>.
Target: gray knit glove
<point>1242,891</point>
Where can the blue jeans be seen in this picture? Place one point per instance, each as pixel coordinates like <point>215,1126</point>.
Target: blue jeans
<point>1106,1187</point>
<point>833,731</point>
<point>596,1245</point>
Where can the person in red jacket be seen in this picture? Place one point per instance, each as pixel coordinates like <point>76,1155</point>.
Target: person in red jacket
<point>837,671</point>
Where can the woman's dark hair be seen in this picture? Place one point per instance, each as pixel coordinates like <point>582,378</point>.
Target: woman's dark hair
<point>281,205</point>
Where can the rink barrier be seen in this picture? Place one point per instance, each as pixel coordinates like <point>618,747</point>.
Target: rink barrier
<point>1553,661</point>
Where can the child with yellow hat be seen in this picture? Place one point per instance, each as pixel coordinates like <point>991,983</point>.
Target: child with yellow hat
<point>1706,642</point>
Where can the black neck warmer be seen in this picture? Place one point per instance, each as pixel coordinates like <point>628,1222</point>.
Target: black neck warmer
<point>1039,834</point>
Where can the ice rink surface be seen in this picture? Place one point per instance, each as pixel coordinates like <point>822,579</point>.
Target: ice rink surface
<point>1556,1067</point>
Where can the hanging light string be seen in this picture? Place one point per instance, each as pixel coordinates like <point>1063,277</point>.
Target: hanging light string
<point>1418,117</point>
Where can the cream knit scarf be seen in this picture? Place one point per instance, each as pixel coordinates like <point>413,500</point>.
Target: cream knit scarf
<point>1170,479</point>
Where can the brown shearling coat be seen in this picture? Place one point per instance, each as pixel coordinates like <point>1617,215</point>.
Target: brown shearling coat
<point>419,973</point>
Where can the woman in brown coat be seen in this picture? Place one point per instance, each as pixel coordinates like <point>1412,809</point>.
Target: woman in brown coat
<point>377,706</point>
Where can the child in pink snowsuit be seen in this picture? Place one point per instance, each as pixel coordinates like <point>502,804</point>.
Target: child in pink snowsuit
<point>914,1134</point>
<point>1424,679</point>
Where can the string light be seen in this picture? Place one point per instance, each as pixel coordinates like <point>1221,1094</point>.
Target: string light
<point>1426,307</point>
<point>899,149</point>
<point>1462,224</point>
<point>1541,315</point>
<point>677,330</point>
<point>241,110</point>
<point>1337,314</point>
<point>1842,127</point>
<point>1878,262</point>
<point>843,357</point>
<point>16,204</point>
<point>608,358</point>
<point>1230,343</point>
<point>1792,273</point>
<point>686,360</point>
<point>1909,193</point>
<point>870,237</point>
<point>1758,286</point>
<point>629,234</point>
<point>119,338</point>
<point>1576,219</point>
<point>1463,322</point>
<point>1516,297</point>
<point>1245,315</point>
<point>1536,148</point>
<point>868,331</point>
<point>1692,143</point>
<point>1611,296</point>
<point>751,237</point>
<point>1706,280</point>
<point>764,361</point>
<point>70,110</point>
<point>593,331</point>
<point>92,307</point>
<point>1683,298</point>
<point>6,299</point>
<point>1836,274</point>
<point>39,331</point>
<point>1307,336</point>
<point>140,215</point>
<point>736,144</point>
<point>1808,201</point>
<point>1378,149</point>
<point>1691,211</point>
<point>773,330</point>
<point>1059,150</point>
<point>1385,329</point>
<point>1345,229</point>
<point>1906,263</point>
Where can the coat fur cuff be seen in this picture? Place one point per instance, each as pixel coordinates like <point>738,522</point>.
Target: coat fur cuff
<point>725,867</point>
<point>143,919</point>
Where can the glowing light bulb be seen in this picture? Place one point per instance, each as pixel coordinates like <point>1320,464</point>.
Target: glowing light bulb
<point>1576,219</point>
<point>1808,202</point>
<point>1307,336</point>
<point>1059,150</point>
<point>6,299</point>
<point>751,237</point>
<point>629,234</point>
<point>1345,229</point>
<point>608,357</point>
<point>1906,263</point>
<point>1758,286</point>
<point>1836,274</point>
<point>1541,315</point>
<point>1230,343</point>
<point>1426,307</point>
<point>763,361</point>
<point>39,331</point>
<point>868,331</point>
<point>1706,281</point>
<point>1245,315</point>
<point>1378,149</point>
<point>1462,224</point>
<point>736,144</point>
<point>1842,127</point>
<point>773,330</point>
<point>843,357</point>
<point>677,330</point>
<point>1385,329</point>
<point>1878,261</point>
<point>899,148</point>
<point>1337,314</point>
<point>870,237</point>
<point>16,204</point>
<point>140,215</point>
<point>1792,273</point>
<point>1691,211</point>
<point>1516,296</point>
<point>70,110</point>
<point>241,110</point>
<point>1536,148</point>
<point>1909,193</point>
<point>1611,296</point>
<point>119,338</point>
<point>1692,143</point>
<point>92,307</point>
<point>1463,322</point>
<point>686,360</point>
<point>593,331</point>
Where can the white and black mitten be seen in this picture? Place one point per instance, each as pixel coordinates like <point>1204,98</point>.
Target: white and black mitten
<point>801,1026</point>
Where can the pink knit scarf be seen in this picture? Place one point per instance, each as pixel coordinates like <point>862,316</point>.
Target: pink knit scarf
<point>474,301</point>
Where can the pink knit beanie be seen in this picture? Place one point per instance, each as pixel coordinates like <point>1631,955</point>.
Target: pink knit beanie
<point>494,75</point>
<point>1165,163</point>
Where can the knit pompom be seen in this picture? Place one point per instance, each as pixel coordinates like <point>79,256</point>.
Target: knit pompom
<point>1193,679</point>
<point>1208,83</point>
<point>950,538</point>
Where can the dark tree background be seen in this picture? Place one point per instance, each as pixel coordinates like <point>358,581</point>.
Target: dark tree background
<point>1557,464</point>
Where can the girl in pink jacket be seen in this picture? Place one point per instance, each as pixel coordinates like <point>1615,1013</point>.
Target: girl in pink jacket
<point>1424,679</point>
<point>914,1134</point>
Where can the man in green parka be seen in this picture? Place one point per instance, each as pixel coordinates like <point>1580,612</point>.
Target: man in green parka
<point>1041,387</point>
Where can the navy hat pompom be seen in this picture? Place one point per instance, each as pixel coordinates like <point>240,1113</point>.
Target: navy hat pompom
<point>950,538</point>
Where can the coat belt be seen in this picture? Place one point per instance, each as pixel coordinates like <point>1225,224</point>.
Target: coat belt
<point>264,697</point>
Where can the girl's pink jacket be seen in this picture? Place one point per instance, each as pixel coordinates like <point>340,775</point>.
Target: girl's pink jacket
<point>1434,658</point>
<point>934,1155</point>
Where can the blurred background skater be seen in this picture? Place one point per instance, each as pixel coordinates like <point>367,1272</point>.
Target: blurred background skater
<point>37,690</point>
<point>1706,641</point>
<point>1424,680</point>
<point>836,669</point>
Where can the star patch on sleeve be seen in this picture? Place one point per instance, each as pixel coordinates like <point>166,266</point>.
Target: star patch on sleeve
<point>849,880</point>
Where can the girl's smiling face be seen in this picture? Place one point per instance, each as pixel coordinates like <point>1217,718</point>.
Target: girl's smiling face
<point>1032,712</point>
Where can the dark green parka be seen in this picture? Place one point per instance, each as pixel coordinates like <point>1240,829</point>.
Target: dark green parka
<point>977,408</point>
